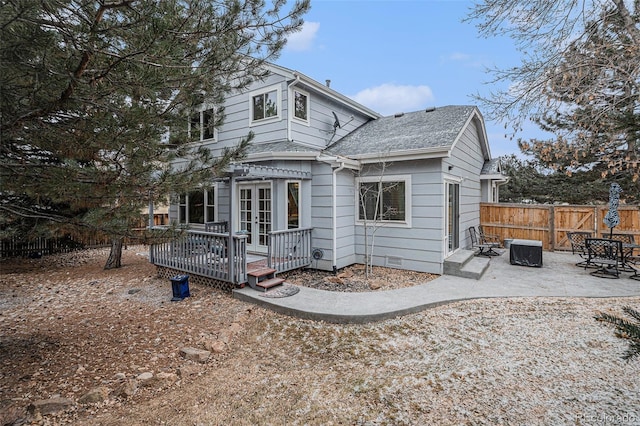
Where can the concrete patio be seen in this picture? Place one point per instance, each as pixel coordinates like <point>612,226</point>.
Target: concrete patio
<point>558,277</point>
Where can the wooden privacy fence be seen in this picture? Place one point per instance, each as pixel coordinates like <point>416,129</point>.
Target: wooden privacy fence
<point>550,223</point>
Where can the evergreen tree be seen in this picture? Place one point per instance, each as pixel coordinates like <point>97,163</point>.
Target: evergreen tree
<point>579,78</point>
<point>95,100</point>
<point>625,329</point>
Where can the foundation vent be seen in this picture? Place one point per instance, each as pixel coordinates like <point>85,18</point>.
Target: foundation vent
<point>394,261</point>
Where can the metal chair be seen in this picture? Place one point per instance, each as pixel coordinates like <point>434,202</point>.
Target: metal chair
<point>606,255</point>
<point>627,252</point>
<point>634,264</point>
<point>488,238</point>
<point>578,246</point>
<point>476,243</point>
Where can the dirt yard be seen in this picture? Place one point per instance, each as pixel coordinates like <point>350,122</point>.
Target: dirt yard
<point>80,345</point>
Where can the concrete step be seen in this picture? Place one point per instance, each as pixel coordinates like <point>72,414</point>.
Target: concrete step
<point>464,263</point>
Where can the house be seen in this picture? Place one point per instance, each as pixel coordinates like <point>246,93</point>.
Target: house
<point>328,181</point>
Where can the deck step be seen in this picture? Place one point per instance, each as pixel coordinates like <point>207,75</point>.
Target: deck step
<point>262,272</point>
<point>270,283</point>
<point>260,278</point>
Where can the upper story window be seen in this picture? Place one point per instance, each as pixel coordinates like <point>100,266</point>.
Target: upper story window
<point>264,105</point>
<point>301,105</point>
<point>202,125</point>
<point>384,200</point>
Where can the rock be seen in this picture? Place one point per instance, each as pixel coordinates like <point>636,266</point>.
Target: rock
<point>126,390</point>
<point>346,274</point>
<point>195,354</point>
<point>335,280</point>
<point>146,379</point>
<point>167,378</point>
<point>49,406</point>
<point>375,285</point>
<point>94,396</point>
<point>134,290</point>
<point>218,347</point>
<point>120,376</point>
<point>10,412</point>
<point>188,370</point>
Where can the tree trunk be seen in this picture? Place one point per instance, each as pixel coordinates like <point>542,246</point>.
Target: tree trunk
<point>115,256</point>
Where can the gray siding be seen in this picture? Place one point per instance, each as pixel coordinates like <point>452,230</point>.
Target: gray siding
<point>418,246</point>
<point>467,159</point>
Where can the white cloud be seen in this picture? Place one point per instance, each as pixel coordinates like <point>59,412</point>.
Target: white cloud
<point>303,39</point>
<point>390,98</point>
<point>467,60</point>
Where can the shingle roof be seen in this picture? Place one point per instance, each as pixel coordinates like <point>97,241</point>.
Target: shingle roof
<point>491,167</point>
<point>437,128</point>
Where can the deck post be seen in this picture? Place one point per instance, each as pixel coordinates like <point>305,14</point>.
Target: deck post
<point>232,226</point>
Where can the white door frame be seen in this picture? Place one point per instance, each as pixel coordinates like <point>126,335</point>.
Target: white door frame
<point>451,215</point>
<point>254,213</point>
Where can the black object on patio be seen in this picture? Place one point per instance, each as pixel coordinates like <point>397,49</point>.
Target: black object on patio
<point>526,253</point>
<point>606,255</point>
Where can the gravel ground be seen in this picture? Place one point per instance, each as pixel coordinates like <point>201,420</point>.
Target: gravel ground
<point>67,327</point>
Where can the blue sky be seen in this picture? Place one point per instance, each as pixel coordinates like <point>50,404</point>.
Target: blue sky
<point>401,56</point>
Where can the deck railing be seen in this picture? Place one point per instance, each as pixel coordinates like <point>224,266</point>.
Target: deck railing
<point>203,253</point>
<point>289,249</point>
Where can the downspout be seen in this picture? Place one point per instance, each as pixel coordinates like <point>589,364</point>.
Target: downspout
<point>334,195</point>
<point>289,115</point>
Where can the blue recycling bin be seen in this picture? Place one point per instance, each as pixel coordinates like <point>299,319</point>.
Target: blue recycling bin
<point>180,287</point>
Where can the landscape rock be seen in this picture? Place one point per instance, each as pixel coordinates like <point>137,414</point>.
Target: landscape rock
<point>94,396</point>
<point>11,412</point>
<point>188,370</point>
<point>126,389</point>
<point>146,379</point>
<point>49,406</point>
<point>195,354</point>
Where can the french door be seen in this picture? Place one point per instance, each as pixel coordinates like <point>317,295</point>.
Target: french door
<point>453,216</point>
<point>254,211</point>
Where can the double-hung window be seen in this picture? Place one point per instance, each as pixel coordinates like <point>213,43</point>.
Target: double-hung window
<point>197,207</point>
<point>301,106</point>
<point>265,105</point>
<point>202,125</point>
<point>384,199</point>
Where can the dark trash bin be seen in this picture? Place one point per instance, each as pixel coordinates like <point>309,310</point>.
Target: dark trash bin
<point>180,287</point>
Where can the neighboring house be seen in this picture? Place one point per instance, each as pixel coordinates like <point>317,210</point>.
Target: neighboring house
<point>315,150</point>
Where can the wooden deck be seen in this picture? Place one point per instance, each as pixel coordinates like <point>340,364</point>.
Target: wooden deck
<point>207,254</point>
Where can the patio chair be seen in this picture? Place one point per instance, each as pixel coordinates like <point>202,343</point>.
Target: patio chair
<point>578,246</point>
<point>485,249</point>
<point>634,263</point>
<point>606,255</point>
<point>488,238</point>
<point>627,252</point>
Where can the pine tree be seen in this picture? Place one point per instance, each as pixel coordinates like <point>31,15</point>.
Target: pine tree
<point>95,99</point>
<point>625,329</point>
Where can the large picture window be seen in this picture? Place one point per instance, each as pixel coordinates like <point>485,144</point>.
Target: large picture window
<point>197,207</point>
<point>264,105</point>
<point>383,200</point>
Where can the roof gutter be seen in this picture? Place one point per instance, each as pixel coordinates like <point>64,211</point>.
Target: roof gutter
<point>335,95</point>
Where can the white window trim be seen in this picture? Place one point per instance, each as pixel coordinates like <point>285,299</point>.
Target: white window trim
<point>205,206</point>
<point>262,91</point>
<point>407,199</point>
<point>200,110</point>
<point>286,210</point>
<point>292,108</point>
